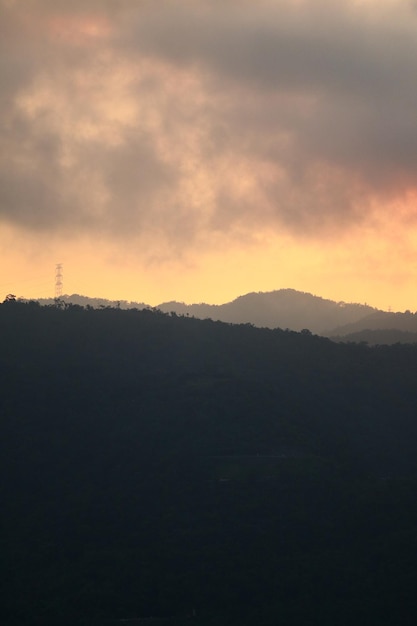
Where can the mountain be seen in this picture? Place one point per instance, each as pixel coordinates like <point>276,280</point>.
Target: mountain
<point>200,473</point>
<point>380,321</point>
<point>284,308</point>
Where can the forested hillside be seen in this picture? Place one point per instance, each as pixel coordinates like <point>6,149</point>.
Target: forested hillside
<point>203,473</point>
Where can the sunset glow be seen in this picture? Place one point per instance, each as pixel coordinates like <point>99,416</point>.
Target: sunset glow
<point>200,151</point>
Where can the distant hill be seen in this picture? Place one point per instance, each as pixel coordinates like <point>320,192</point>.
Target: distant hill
<point>380,320</point>
<point>284,308</point>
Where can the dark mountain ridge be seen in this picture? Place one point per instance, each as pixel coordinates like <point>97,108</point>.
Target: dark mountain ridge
<point>202,473</point>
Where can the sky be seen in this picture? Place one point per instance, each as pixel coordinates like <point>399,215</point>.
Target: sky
<point>198,150</point>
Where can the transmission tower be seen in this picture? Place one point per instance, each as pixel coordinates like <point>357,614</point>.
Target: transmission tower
<point>58,280</point>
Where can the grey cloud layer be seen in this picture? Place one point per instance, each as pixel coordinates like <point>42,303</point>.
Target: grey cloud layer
<point>358,68</point>
<point>181,119</point>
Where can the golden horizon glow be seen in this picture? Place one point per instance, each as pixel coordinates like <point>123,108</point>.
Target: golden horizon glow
<point>363,270</point>
<point>200,151</point>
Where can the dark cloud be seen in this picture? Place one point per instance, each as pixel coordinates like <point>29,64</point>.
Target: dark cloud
<point>179,119</point>
<point>316,46</point>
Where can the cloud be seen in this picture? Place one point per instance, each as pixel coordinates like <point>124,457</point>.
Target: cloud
<point>180,122</point>
<point>334,82</point>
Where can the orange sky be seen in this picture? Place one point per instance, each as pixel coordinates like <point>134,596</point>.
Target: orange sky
<point>201,151</point>
<point>379,271</point>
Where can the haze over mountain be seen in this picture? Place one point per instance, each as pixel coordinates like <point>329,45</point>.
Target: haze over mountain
<point>285,308</point>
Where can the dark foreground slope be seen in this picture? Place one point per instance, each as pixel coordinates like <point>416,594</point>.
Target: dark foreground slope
<point>204,473</point>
